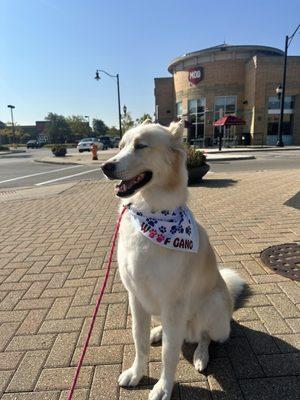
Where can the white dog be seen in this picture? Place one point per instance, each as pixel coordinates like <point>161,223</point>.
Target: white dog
<point>165,259</point>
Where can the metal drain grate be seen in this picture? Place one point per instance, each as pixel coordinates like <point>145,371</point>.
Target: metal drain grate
<point>284,259</point>
<point>8,192</point>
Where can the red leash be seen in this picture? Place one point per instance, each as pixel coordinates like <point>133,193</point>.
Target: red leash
<point>79,365</point>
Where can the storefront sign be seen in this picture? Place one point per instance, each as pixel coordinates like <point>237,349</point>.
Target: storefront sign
<point>195,75</point>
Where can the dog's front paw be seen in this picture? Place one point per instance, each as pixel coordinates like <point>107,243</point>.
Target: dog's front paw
<point>130,377</point>
<point>161,391</point>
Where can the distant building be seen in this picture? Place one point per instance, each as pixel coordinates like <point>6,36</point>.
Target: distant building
<point>40,126</point>
<point>231,80</point>
<point>36,131</point>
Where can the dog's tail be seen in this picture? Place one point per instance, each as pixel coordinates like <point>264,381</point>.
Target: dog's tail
<point>233,282</point>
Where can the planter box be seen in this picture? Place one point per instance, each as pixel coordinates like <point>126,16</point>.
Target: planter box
<point>196,174</point>
<point>61,152</point>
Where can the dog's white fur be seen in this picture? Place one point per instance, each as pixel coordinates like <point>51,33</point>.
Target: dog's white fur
<point>185,291</point>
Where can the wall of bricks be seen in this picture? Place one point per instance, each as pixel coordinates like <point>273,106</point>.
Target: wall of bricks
<point>164,100</point>
<point>51,269</point>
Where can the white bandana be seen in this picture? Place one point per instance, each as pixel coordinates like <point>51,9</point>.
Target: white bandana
<point>175,229</point>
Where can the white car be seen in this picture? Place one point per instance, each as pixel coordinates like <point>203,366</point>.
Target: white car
<point>85,144</point>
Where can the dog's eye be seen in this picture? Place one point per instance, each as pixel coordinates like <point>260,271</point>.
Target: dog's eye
<point>139,146</point>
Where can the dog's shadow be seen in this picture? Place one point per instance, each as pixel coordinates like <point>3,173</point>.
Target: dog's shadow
<point>214,183</point>
<point>251,365</point>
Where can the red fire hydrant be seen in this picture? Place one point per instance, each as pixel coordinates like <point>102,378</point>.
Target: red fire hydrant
<point>94,151</point>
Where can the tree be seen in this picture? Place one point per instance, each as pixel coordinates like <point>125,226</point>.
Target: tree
<point>113,131</point>
<point>99,127</point>
<point>143,118</point>
<point>57,129</point>
<point>6,134</point>
<point>79,127</point>
<point>126,122</point>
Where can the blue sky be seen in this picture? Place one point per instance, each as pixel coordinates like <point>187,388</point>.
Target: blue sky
<point>50,49</point>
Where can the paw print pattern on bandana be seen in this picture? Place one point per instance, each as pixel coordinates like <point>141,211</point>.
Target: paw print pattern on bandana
<point>151,221</point>
<point>173,229</point>
<point>152,233</point>
<point>180,229</point>
<point>160,238</point>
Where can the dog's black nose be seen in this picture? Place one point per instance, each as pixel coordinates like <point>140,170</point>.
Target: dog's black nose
<point>108,169</point>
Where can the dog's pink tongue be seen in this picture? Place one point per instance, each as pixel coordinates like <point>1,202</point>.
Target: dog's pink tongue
<point>125,185</point>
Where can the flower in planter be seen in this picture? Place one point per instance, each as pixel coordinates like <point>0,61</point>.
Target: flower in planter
<point>195,158</point>
<point>196,165</point>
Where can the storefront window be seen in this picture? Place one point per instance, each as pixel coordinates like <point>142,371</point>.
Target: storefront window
<point>224,105</point>
<point>196,111</point>
<point>287,126</point>
<point>179,109</point>
<point>274,103</point>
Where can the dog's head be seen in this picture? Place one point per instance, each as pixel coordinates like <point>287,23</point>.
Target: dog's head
<point>150,155</point>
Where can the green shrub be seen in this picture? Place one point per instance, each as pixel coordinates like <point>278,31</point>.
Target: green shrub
<point>4,148</point>
<point>195,158</point>
<point>59,150</point>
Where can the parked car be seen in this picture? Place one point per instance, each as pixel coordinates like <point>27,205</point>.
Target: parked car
<point>116,141</point>
<point>34,144</point>
<point>85,144</point>
<point>107,142</point>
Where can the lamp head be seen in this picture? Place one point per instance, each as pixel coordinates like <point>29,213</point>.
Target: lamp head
<point>278,91</point>
<point>97,77</point>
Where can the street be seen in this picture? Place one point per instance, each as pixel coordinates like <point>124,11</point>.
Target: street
<point>20,170</point>
<point>264,160</point>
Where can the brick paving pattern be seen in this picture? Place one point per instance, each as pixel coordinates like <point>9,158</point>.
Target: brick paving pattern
<point>52,257</point>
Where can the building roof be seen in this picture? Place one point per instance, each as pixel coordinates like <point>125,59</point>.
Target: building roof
<point>248,49</point>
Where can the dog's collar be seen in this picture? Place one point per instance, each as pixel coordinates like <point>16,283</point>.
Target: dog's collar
<point>174,229</point>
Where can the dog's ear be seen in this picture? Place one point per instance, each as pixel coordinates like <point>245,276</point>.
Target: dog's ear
<point>177,128</point>
<point>147,121</point>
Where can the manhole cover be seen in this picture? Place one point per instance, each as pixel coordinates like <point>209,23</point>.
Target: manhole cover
<point>284,259</point>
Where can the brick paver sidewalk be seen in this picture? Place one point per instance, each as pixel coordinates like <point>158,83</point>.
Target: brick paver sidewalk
<point>52,252</point>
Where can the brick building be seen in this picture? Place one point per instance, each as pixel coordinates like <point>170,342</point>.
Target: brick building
<point>36,131</point>
<point>231,80</point>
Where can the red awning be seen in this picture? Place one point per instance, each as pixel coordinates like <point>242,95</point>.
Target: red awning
<point>229,120</point>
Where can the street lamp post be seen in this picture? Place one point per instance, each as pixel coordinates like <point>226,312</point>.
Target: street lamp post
<point>12,121</point>
<point>97,77</point>
<point>281,92</point>
<point>87,117</point>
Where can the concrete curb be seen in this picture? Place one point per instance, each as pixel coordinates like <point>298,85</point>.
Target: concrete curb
<point>11,152</point>
<point>253,150</point>
<point>58,162</point>
<point>230,158</point>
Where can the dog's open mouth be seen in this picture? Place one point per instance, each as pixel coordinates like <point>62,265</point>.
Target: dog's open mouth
<point>129,187</point>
